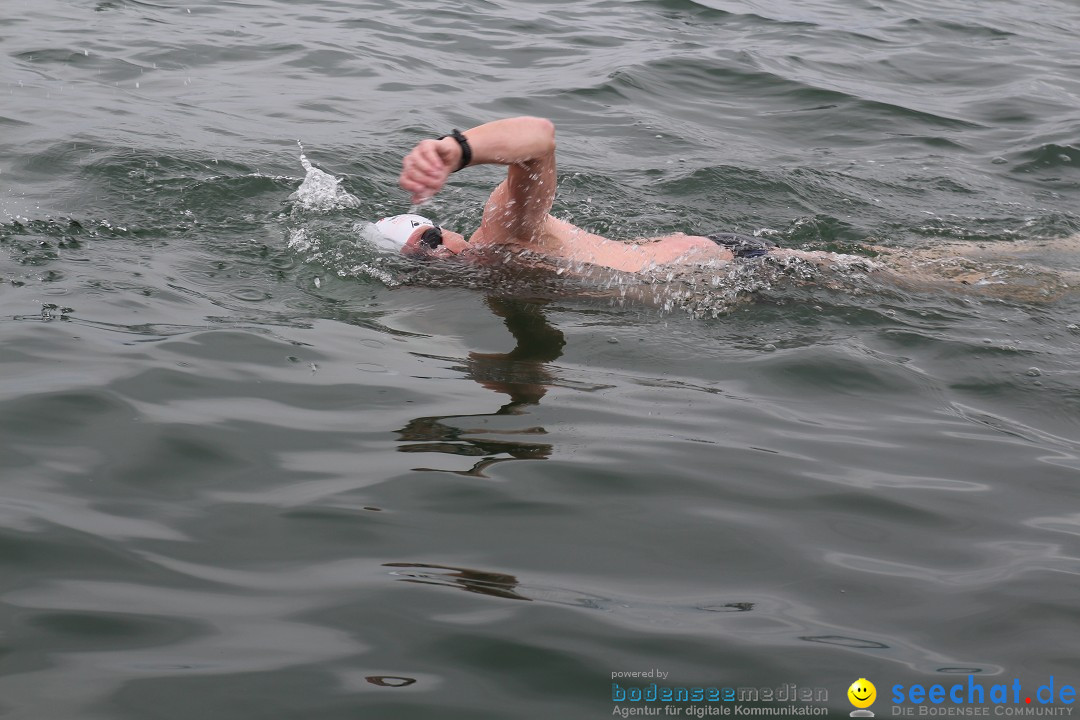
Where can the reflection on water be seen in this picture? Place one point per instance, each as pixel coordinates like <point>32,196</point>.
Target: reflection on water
<point>844,641</point>
<point>493,584</point>
<point>521,374</point>
<point>390,680</point>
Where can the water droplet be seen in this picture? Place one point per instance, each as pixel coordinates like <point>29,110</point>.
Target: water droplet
<point>1034,372</point>
<point>999,160</point>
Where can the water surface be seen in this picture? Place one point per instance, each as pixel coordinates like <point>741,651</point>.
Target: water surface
<point>254,467</point>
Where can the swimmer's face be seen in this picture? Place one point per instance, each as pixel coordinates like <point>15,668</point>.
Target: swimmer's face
<point>452,244</point>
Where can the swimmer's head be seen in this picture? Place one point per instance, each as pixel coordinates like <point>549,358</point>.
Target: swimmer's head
<point>417,236</point>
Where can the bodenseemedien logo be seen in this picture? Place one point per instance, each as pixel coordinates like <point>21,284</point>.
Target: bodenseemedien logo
<point>862,695</point>
<point>701,701</point>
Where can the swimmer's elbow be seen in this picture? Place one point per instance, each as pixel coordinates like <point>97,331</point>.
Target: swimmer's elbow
<point>544,131</point>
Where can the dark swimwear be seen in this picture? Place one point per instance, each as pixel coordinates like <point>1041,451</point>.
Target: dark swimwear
<point>742,246</point>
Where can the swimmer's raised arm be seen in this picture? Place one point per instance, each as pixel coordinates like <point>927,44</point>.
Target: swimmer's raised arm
<point>508,141</point>
<point>519,206</point>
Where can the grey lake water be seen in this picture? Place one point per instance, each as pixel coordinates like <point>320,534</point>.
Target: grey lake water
<point>254,466</point>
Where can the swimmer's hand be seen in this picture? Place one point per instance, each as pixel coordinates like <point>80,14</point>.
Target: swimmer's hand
<point>425,169</point>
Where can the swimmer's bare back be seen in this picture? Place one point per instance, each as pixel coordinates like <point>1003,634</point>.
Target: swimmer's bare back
<point>566,241</point>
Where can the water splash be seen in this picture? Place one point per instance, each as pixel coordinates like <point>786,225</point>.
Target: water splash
<point>321,191</point>
<point>341,255</point>
<point>712,289</point>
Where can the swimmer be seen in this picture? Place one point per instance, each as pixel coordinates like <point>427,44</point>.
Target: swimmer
<point>517,220</point>
<point>517,214</point>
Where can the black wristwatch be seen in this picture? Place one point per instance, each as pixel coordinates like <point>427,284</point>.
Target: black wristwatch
<point>466,151</point>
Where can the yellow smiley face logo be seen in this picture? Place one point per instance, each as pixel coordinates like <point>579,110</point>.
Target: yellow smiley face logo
<point>862,693</point>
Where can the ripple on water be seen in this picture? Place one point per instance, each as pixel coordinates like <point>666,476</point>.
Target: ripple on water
<point>250,294</point>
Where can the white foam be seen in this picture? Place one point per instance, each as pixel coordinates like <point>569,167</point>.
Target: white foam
<point>320,190</point>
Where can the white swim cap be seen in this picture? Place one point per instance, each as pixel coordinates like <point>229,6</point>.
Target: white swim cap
<point>398,228</point>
